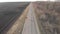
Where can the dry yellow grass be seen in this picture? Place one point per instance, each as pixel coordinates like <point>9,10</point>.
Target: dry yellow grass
<point>18,25</point>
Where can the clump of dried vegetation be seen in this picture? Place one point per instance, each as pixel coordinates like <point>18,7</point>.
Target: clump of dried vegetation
<point>48,16</point>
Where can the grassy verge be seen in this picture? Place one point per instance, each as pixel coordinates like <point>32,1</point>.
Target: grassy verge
<point>37,14</point>
<point>18,25</point>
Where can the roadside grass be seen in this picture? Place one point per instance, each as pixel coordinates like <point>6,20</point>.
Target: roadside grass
<point>38,22</point>
<point>18,25</point>
<point>37,14</point>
